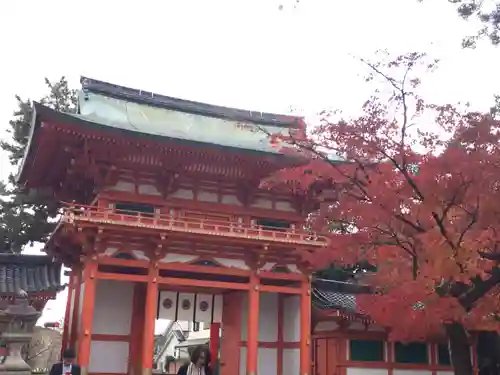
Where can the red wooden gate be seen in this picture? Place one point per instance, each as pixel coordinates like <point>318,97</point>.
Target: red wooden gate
<point>326,356</point>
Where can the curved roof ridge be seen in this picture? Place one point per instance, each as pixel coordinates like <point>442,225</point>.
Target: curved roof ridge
<point>168,102</point>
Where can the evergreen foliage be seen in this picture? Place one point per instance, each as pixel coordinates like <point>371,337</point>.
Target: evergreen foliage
<point>25,216</point>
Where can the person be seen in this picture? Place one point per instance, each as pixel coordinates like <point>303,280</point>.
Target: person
<point>199,363</point>
<point>67,366</point>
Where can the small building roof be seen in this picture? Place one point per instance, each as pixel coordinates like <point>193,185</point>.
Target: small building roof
<point>192,342</point>
<point>337,295</point>
<point>326,300</point>
<point>30,273</point>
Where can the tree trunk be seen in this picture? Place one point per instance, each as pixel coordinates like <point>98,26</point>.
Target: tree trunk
<point>488,352</point>
<point>459,346</point>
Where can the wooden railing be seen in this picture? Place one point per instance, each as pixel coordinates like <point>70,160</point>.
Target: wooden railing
<point>79,213</point>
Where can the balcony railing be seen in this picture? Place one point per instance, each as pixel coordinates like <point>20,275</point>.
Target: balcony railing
<point>75,214</point>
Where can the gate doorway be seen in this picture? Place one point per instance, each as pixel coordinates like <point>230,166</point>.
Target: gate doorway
<point>326,352</point>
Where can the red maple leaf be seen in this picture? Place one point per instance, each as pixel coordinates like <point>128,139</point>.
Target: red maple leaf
<point>414,189</point>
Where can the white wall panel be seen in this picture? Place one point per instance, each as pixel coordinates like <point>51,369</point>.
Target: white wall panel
<point>366,371</point>
<point>243,361</point>
<point>267,361</point>
<point>244,317</point>
<point>291,361</point>
<point>291,319</point>
<point>80,306</point>
<point>109,357</point>
<point>412,372</point>
<point>268,317</point>
<point>71,310</point>
<point>113,307</point>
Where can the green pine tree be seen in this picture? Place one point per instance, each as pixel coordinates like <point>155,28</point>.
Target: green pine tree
<point>25,217</point>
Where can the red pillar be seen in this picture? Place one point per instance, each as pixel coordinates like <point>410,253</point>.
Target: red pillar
<point>305,328</point>
<point>150,319</point>
<point>214,342</point>
<point>253,326</point>
<point>67,314</point>
<point>136,329</point>
<point>89,278</point>
<point>77,282</point>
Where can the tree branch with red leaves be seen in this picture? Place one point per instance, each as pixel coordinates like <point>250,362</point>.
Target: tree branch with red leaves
<point>419,184</point>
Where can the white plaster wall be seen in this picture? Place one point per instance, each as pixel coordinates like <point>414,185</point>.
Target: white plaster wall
<point>267,362</point>
<point>109,357</point>
<point>236,263</point>
<point>366,371</point>
<point>243,361</point>
<point>181,258</point>
<point>284,206</point>
<point>139,254</point>
<point>122,186</point>
<point>207,196</point>
<point>291,319</point>
<point>268,317</point>
<point>231,199</point>
<point>183,194</point>
<point>71,309</point>
<point>262,203</point>
<point>80,306</point>
<point>359,326</point>
<point>291,361</point>
<point>326,326</point>
<point>412,372</point>
<point>148,189</point>
<point>355,326</point>
<point>113,307</point>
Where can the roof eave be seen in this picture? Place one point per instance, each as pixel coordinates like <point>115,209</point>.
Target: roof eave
<point>157,100</point>
<point>20,176</point>
<point>11,258</point>
<point>46,113</point>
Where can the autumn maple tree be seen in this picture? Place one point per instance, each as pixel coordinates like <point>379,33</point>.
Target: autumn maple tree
<point>412,188</point>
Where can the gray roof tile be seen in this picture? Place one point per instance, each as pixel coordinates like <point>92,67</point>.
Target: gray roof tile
<point>334,300</point>
<point>31,273</point>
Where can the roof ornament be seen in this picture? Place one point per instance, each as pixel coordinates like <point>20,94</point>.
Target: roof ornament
<point>22,293</point>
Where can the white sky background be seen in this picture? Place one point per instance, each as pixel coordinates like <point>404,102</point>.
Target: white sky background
<point>239,53</point>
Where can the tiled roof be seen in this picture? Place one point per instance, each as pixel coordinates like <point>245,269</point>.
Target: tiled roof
<point>334,300</point>
<point>30,273</point>
<point>167,102</point>
<point>192,342</point>
<point>337,295</point>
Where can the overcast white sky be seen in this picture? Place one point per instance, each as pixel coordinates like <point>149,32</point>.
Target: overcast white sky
<point>240,53</point>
